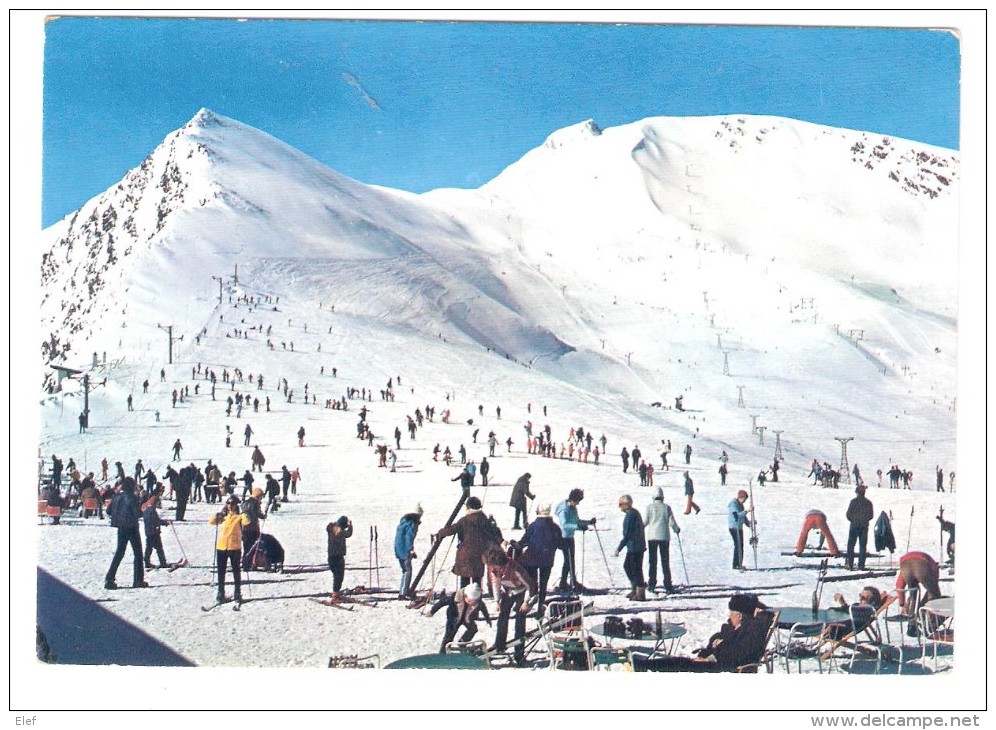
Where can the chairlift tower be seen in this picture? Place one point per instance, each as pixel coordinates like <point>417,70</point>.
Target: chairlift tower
<point>778,445</point>
<point>753,422</point>
<point>845,468</point>
<point>169,332</point>
<point>740,396</point>
<point>760,432</point>
<point>726,363</point>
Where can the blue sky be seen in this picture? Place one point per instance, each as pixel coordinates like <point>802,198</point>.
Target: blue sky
<point>435,104</point>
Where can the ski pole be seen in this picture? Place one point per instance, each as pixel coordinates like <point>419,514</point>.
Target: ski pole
<point>940,519</point>
<point>178,543</point>
<point>608,570</point>
<point>681,551</point>
<point>377,555</point>
<point>582,558</point>
<point>370,557</point>
<point>909,533</point>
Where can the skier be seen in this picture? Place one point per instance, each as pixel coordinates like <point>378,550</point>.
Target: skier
<point>129,403</point>
<point>736,519</point>
<point>688,453</point>
<point>177,448</point>
<point>285,480</point>
<point>228,547</point>
<point>153,539</point>
<point>690,494</point>
<point>300,436</point>
<point>485,468</point>
<point>248,433</point>
<point>257,459</point>
<point>404,549</point>
<point>634,540</point>
<point>539,546</point>
<point>658,522</point>
<point>125,512</point>
<point>465,479</point>
<point>567,515</point>
<point>520,492</point>
<point>392,460</point>
<point>625,459</point>
<point>338,532</point>
<point>816,520</point>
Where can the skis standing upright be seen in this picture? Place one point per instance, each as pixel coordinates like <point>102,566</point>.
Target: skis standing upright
<point>818,590</point>
<point>435,546</point>
<point>753,522</point>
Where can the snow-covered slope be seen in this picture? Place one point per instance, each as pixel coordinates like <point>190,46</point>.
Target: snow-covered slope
<point>775,273</point>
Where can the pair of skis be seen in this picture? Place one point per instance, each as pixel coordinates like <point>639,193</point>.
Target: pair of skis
<point>373,558</point>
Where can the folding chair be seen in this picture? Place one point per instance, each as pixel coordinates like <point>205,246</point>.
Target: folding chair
<point>865,637</point>
<point>803,642</point>
<point>42,511</point>
<point>477,647</point>
<point>935,629</point>
<point>604,658</point>
<point>567,639</point>
<point>53,513</point>
<point>765,656</point>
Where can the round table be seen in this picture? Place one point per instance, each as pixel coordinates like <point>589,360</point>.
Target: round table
<point>788,616</point>
<point>439,661</point>
<point>941,606</point>
<point>649,639</point>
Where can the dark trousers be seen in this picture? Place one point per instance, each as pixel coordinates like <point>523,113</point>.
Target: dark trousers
<point>663,548</point>
<point>567,548</point>
<point>226,557</point>
<point>155,542</point>
<point>181,503</point>
<point>672,664</point>
<point>250,534</point>
<point>507,604</point>
<point>452,626</point>
<point>525,522</point>
<point>857,534</point>
<point>737,533</point>
<point>126,536</point>
<point>337,564</point>
<point>541,576</point>
<point>633,565</point>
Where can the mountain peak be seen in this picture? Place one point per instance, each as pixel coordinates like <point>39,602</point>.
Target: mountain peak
<point>576,132</point>
<point>205,118</point>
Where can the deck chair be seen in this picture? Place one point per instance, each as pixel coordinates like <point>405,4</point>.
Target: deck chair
<point>42,511</point>
<point>864,637</point>
<point>935,630</point>
<point>764,655</point>
<point>803,642</point>
<point>53,513</point>
<point>604,658</point>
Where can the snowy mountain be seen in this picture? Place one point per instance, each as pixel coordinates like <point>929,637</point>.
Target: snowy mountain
<point>794,283</point>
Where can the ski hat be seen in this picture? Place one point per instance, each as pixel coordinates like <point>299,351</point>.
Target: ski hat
<point>742,493</point>
<point>472,592</point>
<point>745,603</point>
<point>342,522</point>
<point>474,503</point>
<point>659,494</point>
<point>543,510</point>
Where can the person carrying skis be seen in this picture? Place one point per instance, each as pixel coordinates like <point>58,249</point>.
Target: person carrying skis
<point>462,609</point>
<point>736,520</point>
<point>338,532</point>
<point>635,542</point>
<point>658,522</point>
<point>228,547</point>
<point>404,549</point>
<point>475,536</point>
